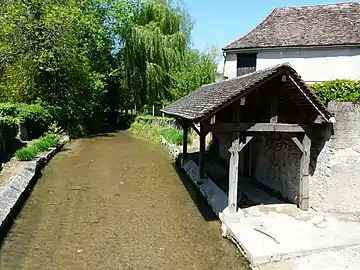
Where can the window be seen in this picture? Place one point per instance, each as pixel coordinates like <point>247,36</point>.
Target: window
<point>246,63</point>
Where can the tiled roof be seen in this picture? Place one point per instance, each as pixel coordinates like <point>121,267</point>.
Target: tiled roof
<point>320,25</point>
<point>208,98</point>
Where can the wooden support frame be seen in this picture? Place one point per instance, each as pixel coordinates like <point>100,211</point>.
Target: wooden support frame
<point>256,127</point>
<point>202,151</point>
<point>274,107</point>
<point>298,143</point>
<point>304,174</point>
<point>185,141</point>
<point>195,129</point>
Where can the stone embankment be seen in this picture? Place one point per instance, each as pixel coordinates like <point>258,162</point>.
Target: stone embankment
<point>11,194</point>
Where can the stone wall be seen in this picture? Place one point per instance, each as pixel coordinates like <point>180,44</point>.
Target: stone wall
<point>276,163</point>
<point>335,172</point>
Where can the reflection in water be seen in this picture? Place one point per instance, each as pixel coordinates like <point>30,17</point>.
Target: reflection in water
<point>115,202</point>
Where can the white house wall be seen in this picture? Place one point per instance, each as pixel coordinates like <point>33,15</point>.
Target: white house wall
<point>313,65</point>
<point>230,68</point>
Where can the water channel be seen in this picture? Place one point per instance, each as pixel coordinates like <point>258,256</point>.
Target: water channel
<point>115,202</point>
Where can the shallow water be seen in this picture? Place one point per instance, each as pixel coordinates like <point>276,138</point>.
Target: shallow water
<point>115,202</point>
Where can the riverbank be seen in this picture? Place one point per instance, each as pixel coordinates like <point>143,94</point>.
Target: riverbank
<point>16,176</point>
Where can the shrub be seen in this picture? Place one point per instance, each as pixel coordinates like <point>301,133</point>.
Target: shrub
<point>11,109</point>
<point>36,118</point>
<point>174,136</point>
<point>337,90</point>
<point>8,128</point>
<point>43,144</point>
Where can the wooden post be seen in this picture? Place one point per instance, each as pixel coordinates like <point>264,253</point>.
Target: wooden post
<point>153,110</point>
<point>234,160</point>
<point>274,107</point>
<point>304,174</point>
<point>250,160</point>
<point>233,173</point>
<point>185,143</point>
<point>202,151</point>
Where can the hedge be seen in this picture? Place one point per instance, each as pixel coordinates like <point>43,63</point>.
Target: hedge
<point>35,117</point>
<point>37,120</point>
<point>8,128</point>
<point>337,90</point>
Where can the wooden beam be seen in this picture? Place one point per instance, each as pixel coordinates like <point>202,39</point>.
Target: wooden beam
<point>234,161</point>
<point>250,161</point>
<point>202,151</point>
<point>298,144</point>
<point>255,127</point>
<point>304,174</point>
<point>233,176</point>
<point>241,145</point>
<point>195,129</point>
<point>305,95</point>
<point>274,107</point>
<point>185,143</point>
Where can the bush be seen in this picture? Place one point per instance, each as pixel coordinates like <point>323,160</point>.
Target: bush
<point>36,118</point>
<point>11,109</point>
<point>337,90</point>
<point>43,144</point>
<point>8,128</point>
<point>174,136</point>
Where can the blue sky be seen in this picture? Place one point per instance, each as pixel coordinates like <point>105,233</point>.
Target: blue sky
<point>218,22</point>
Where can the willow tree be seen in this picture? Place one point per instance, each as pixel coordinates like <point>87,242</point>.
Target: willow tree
<point>154,44</point>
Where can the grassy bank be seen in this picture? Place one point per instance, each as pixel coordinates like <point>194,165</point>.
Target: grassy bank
<point>29,152</point>
<point>152,128</point>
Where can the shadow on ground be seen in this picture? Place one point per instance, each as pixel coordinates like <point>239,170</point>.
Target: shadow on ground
<point>195,195</point>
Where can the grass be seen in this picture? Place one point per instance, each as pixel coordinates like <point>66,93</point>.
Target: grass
<point>147,131</point>
<point>174,136</point>
<point>43,144</point>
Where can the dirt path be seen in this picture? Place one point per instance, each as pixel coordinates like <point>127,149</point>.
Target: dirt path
<point>115,202</point>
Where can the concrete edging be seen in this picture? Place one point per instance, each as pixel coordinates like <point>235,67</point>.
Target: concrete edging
<point>11,194</point>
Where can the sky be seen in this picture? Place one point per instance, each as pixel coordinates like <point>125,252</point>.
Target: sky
<point>219,22</point>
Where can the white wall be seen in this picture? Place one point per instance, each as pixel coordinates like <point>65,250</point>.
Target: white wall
<point>313,65</point>
<point>230,68</point>
<point>316,64</point>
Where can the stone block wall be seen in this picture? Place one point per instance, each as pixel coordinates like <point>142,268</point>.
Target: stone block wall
<point>335,173</point>
<point>276,164</point>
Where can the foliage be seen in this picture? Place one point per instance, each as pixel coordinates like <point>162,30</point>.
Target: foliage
<point>36,118</point>
<point>8,128</point>
<point>10,109</point>
<point>82,61</point>
<point>43,144</point>
<point>174,136</point>
<point>197,68</point>
<point>148,131</point>
<point>337,90</point>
